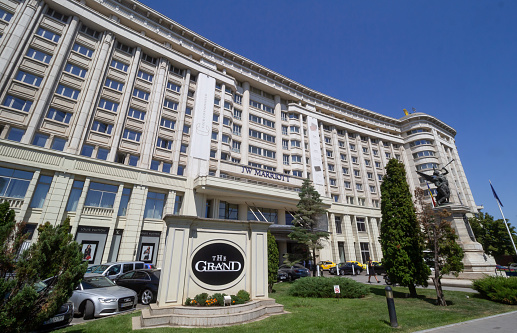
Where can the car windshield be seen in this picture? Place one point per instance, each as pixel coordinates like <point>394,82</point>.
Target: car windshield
<point>100,268</point>
<point>93,282</point>
<point>91,268</point>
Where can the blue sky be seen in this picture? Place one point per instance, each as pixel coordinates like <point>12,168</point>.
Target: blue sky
<point>455,60</point>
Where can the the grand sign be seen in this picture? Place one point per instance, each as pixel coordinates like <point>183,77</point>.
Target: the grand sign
<point>265,174</point>
<point>217,264</point>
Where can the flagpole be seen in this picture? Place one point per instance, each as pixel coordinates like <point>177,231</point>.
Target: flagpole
<point>506,224</point>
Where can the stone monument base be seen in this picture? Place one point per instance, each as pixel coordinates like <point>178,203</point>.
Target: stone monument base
<point>477,263</point>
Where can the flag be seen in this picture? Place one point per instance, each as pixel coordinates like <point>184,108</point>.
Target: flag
<point>495,194</point>
<point>431,193</point>
<point>405,112</point>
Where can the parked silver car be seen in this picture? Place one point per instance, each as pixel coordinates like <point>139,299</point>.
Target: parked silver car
<point>98,296</point>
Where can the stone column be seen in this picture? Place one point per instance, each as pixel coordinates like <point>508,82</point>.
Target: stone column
<point>245,123</point>
<point>112,224</point>
<point>350,237</point>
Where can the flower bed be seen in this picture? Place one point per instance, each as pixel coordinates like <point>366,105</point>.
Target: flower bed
<point>217,299</point>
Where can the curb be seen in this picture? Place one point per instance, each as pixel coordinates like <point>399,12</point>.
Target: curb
<point>466,322</point>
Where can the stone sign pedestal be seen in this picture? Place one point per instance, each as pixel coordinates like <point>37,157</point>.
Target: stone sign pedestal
<point>477,263</point>
<point>212,256</point>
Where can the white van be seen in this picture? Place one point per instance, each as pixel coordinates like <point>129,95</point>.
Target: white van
<point>113,269</point>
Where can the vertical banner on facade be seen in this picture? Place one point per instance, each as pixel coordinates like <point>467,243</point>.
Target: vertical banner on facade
<point>315,148</point>
<point>203,114</point>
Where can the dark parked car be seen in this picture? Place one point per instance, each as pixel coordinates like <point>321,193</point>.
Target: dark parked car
<point>143,281</point>
<point>63,317</point>
<point>282,276</point>
<point>346,268</point>
<point>293,272</point>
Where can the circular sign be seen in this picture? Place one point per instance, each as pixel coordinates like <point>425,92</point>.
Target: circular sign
<point>217,264</point>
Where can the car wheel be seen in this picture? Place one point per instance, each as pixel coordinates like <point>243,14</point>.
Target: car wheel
<point>146,297</point>
<point>89,310</point>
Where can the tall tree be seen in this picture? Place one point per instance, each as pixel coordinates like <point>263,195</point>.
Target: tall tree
<point>400,235</point>
<point>305,229</point>
<point>440,238</point>
<point>272,262</point>
<point>492,235</point>
<point>25,303</point>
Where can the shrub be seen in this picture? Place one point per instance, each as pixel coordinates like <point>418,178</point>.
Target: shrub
<point>244,295</point>
<point>498,289</point>
<point>237,300</point>
<point>324,288</point>
<point>201,298</point>
<point>220,298</point>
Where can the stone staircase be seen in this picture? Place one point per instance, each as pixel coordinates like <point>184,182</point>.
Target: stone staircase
<point>193,316</point>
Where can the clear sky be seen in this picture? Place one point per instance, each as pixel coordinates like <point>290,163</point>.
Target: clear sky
<point>455,60</point>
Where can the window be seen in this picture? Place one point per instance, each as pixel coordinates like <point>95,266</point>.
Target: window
<point>186,129</point>
<point>58,144</point>
<point>166,167</point>
<point>154,205</point>
<point>369,175</point>
<point>372,189</point>
<point>28,78</point>
<point>332,182</point>
<point>40,140</point>
<point>327,128</point>
<point>39,55</point>
<point>359,187</point>
<point>213,153</point>
<point>388,155</point>
<point>352,146</point>
<point>357,173</point>
<point>82,50</point>
<point>285,159</point>
<point>122,209</point>
<point>361,225</point>
<point>227,105</point>
<point>144,95</point>
<point>225,156</point>
<point>215,118</point>
<point>427,166</point>
<point>58,115</point>
<point>215,135</point>
<point>237,130</point>
<point>298,173</point>
<point>329,153</point>
<point>114,84</point>
<point>345,171</point>
<point>341,143</point>
<point>75,70</point>
<point>350,200</point>
<point>367,162</point>
<point>173,86</point>
<point>284,130</point>
<point>5,15</point>
<point>354,159</point>
<point>41,191</point>
<point>377,164</point>
<point>133,160</point>
<point>236,146</point>
<point>255,150</point>
<point>285,144</point>
<point>14,183</point>
<point>170,104</point>
<point>57,15</point>
<point>175,70</point>
<point>283,116</point>
<point>237,114</point>
<point>181,171</point>
<point>101,195</point>
<point>102,154</point>
<point>343,157</point>
<point>331,167</point>
<point>227,121</point>
<point>102,127</point>
<point>188,111</point>
<point>119,65</point>
<point>238,99</point>
<point>337,220</point>
<point>75,194</point>
<point>87,150</point>
<point>154,165</point>
<point>145,76</point>
<point>295,129</point>
<point>131,135</point>
<point>228,211</point>
<point>379,177</point>
<point>108,105</point>
<point>136,114</point>
<point>365,150</point>
<point>17,103</point>
<point>347,185</point>
<point>48,35</point>
<point>420,142</point>
<point>163,143</point>
<point>296,159</point>
<point>327,140</point>
<point>225,139</point>
<point>375,203</point>
<point>168,123</point>
<point>424,153</point>
<point>217,101</point>
<point>67,92</point>
<point>418,130</point>
<point>90,32</point>
<point>335,197</point>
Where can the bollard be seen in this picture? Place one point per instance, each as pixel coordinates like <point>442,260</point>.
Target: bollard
<point>391,307</point>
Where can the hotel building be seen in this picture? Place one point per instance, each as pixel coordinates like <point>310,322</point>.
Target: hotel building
<point>114,115</point>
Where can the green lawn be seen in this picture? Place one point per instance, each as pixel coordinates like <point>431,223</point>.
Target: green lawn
<point>369,314</point>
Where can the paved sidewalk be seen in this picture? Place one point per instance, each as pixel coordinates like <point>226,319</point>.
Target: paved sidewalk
<point>501,323</point>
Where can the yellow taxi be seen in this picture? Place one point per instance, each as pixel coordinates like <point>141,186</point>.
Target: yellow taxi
<point>326,265</point>
<point>363,266</point>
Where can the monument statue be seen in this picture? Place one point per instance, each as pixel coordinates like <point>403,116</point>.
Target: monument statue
<point>442,184</point>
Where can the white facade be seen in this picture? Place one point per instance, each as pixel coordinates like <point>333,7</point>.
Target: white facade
<point>115,115</point>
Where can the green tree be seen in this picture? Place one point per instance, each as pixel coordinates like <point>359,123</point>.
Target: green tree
<point>492,235</point>
<point>272,261</point>
<point>25,303</point>
<point>305,230</point>
<point>400,235</point>
<point>440,238</point>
